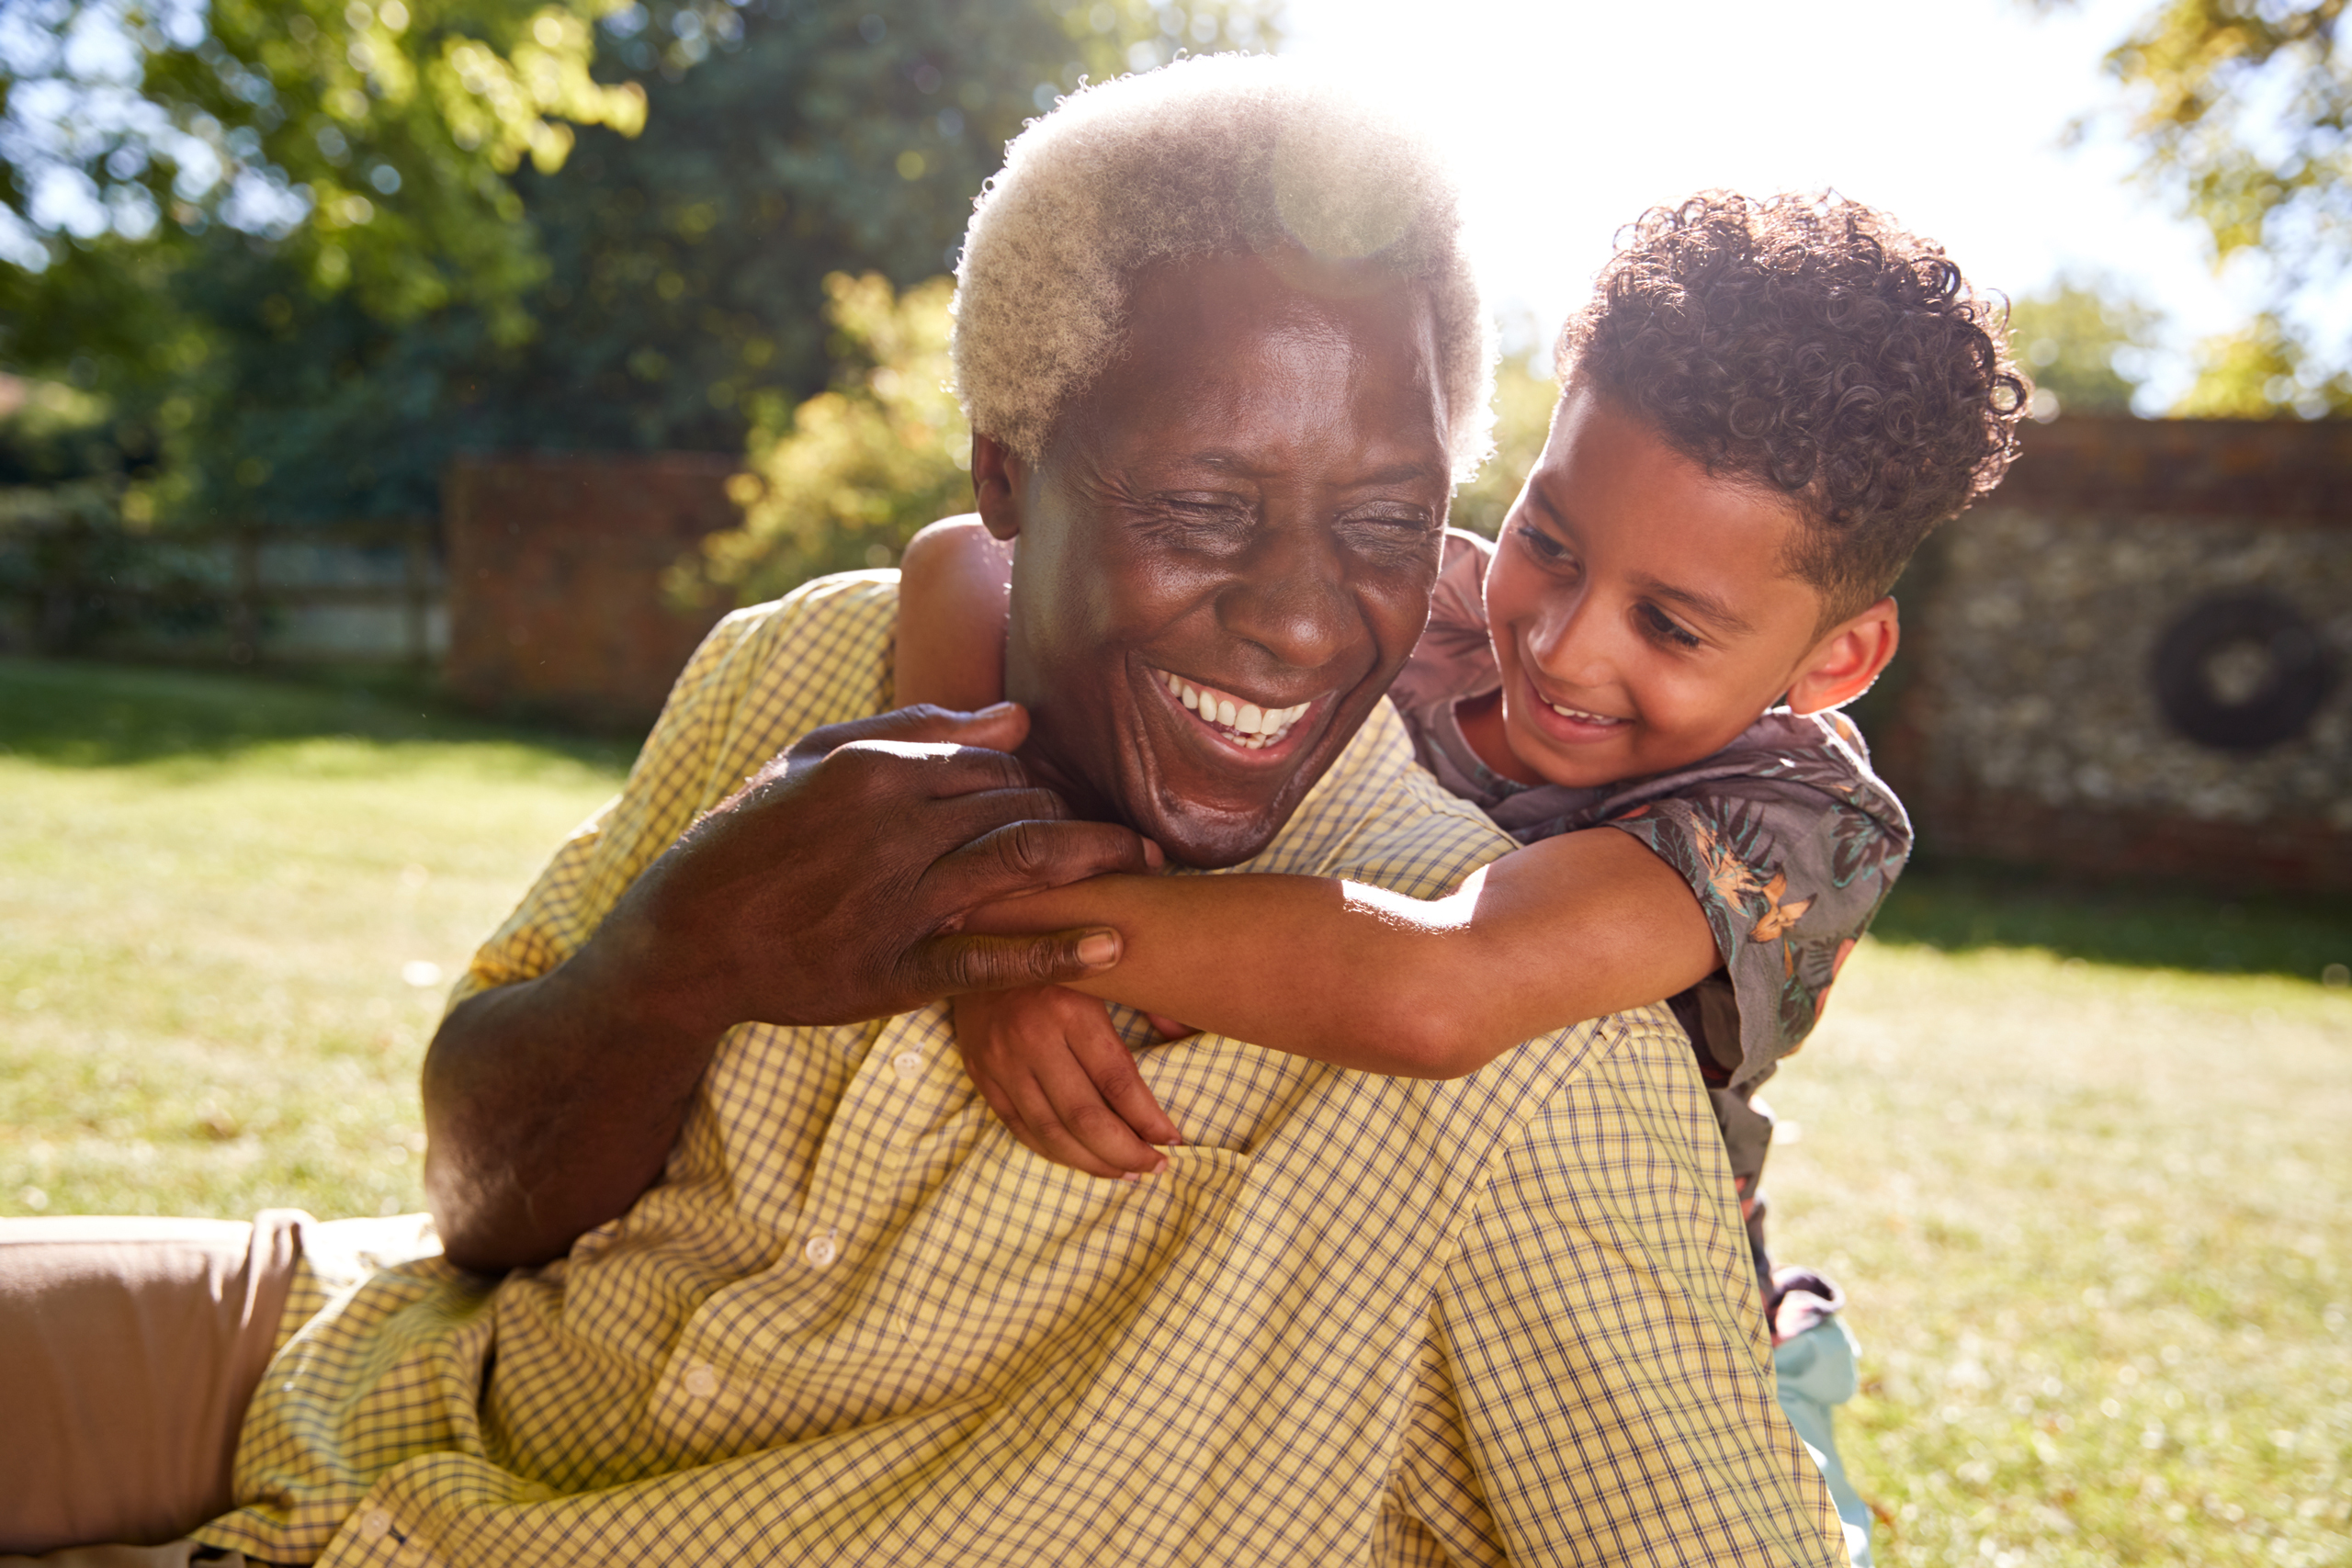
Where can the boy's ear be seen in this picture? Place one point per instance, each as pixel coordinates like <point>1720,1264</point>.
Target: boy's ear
<point>998,476</point>
<point>1844,663</point>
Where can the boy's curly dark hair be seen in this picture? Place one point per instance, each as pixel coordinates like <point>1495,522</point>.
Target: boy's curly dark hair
<point>1809,343</point>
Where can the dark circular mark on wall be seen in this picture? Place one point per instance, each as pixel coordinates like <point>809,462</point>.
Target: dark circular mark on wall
<point>2241,671</point>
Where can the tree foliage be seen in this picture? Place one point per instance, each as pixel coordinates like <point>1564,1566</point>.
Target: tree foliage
<point>2259,371</point>
<point>2240,111</point>
<point>2241,106</point>
<point>1524,396</point>
<point>672,291</point>
<point>368,143</point>
<point>847,479</point>
<point>2084,343</point>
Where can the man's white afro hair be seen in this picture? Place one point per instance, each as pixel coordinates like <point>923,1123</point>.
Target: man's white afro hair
<point>1217,155</point>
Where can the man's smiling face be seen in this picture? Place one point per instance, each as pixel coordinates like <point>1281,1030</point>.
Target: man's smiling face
<point>1226,551</point>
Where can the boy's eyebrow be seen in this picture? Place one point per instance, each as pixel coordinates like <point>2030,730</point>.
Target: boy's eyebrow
<point>1706,606</point>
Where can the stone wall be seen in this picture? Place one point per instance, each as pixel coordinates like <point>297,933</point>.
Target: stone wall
<point>2027,719</point>
<point>555,569</point>
<point>2133,659</point>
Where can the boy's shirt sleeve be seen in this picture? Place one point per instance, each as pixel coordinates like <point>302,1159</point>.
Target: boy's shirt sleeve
<point>1452,659</point>
<point>1790,844</point>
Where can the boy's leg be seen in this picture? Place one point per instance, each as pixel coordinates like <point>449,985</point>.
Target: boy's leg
<point>1813,1356</point>
<point>129,1348</point>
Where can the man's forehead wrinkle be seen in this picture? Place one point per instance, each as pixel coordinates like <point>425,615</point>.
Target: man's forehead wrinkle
<point>1379,450</point>
<point>1412,472</point>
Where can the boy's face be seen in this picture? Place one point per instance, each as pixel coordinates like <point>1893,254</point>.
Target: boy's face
<point>1640,611</point>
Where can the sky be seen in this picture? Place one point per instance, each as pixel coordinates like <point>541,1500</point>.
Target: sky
<point>1571,117</point>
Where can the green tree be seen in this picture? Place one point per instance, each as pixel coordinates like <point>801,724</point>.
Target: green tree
<point>1524,395</point>
<point>2241,110</point>
<point>368,145</point>
<point>847,480</point>
<point>2259,371</point>
<point>679,298</point>
<point>2085,344</point>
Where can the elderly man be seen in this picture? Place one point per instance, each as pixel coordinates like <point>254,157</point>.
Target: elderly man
<point>797,1294</point>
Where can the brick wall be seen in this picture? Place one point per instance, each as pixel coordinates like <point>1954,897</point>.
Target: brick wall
<point>555,566</point>
<point>2094,658</point>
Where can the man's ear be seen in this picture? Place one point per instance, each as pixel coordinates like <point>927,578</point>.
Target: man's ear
<point>1844,663</point>
<point>998,477</point>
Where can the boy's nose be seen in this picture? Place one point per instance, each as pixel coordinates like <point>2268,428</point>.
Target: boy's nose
<point>1570,644</point>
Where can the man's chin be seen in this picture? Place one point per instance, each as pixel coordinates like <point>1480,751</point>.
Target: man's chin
<point>1210,816</point>
<point>1211,830</point>
<point>1209,843</point>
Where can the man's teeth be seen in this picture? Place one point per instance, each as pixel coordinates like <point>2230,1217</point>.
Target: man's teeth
<point>1579,713</point>
<point>1251,725</point>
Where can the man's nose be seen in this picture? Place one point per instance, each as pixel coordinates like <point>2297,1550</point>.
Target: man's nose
<point>1289,600</point>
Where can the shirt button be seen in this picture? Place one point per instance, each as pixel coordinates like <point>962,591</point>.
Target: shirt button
<point>908,1064</point>
<point>375,1524</point>
<point>701,1382</point>
<point>820,1251</point>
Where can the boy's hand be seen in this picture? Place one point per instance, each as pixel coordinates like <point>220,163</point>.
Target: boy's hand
<point>1047,1062</point>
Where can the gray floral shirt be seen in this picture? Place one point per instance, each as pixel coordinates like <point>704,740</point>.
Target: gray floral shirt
<point>1787,838</point>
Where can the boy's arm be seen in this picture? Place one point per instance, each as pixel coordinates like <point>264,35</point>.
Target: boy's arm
<point>952,585</point>
<point>1565,929</point>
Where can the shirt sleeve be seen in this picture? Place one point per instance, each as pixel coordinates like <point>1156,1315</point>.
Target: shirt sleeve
<point>762,678</point>
<point>1601,1347</point>
<point>1789,875</point>
<point>1452,659</point>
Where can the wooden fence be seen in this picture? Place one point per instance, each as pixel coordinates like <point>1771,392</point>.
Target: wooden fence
<point>75,579</point>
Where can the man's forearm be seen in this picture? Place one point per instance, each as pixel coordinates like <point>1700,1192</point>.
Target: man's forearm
<point>829,888</point>
<point>549,1106</point>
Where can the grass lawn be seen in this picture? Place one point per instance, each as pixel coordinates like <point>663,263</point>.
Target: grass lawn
<point>229,912</point>
<point>2081,1159</point>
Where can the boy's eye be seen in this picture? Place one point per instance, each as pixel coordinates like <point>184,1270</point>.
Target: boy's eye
<point>1665,629</point>
<point>1542,547</point>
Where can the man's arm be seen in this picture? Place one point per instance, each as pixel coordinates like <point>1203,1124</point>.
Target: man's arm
<point>832,888</point>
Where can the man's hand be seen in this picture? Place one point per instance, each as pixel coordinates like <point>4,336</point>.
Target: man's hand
<point>832,888</point>
<point>829,888</point>
<point>1047,1063</point>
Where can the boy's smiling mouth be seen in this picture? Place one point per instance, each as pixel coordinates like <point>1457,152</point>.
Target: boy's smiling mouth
<point>1580,715</point>
<point>1237,721</point>
<point>1565,721</point>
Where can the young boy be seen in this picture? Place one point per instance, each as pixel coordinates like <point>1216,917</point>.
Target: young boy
<point>1764,410</point>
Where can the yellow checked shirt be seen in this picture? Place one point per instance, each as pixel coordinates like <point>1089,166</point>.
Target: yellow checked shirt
<point>1505,1318</point>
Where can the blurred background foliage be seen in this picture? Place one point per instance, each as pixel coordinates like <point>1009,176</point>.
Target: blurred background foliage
<point>847,479</point>
<point>607,237</point>
<point>51,434</point>
<point>279,261</point>
<point>2085,341</point>
<point>368,145</point>
<point>1524,395</point>
<point>2239,110</point>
